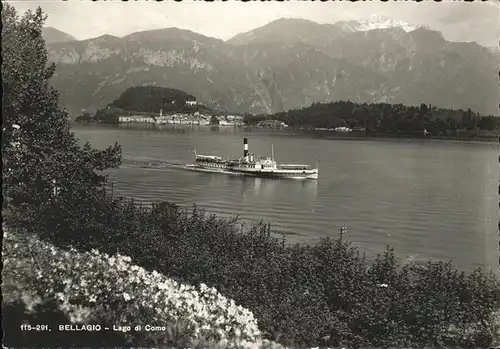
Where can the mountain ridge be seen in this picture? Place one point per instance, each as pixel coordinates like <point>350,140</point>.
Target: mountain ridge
<point>53,35</point>
<point>378,65</point>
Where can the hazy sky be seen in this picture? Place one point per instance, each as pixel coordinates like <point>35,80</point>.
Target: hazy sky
<point>459,21</point>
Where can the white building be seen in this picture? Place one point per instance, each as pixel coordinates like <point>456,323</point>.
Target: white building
<point>225,122</point>
<point>191,103</point>
<point>135,119</point>
<point>343,129</point>
<point>234,117</point>
<point>125,119</point>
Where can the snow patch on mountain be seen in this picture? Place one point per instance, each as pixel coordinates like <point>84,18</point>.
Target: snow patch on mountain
<point>375,22</point>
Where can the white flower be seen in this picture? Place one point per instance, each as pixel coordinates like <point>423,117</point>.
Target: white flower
<point>162,286</point>
<point>383,285</point>
<point>89,275</point>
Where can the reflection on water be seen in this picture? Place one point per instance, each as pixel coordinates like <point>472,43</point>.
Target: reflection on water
<point>264,189</point>
<point>183,129</point>
<point>226,129</point>
<point>174,129</point>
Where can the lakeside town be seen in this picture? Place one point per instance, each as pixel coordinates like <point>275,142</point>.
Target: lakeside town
<point>199,119</point>
<point>193,113</point>
<point>195,119</point>
<point>157,106</point>
<point>203,119</point>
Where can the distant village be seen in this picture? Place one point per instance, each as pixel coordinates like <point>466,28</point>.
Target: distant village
<point>201,119</point>
<point>195,119</point>
<point>204,119</point>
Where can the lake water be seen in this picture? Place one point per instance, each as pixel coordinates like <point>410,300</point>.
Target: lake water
<point>428,199</point>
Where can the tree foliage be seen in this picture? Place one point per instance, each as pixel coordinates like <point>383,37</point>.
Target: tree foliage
<point>152,99</point>
<point>382,118</point>
<point>37,144</point>
<point>84,117</point>
<point>148,101</point>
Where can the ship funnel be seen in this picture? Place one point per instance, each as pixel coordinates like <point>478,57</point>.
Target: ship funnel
<point>245,148</point>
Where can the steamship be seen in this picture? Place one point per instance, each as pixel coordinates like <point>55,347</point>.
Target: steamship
<point>247,165</point>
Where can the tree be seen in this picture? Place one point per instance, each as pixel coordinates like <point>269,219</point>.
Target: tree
<point>108,115</point>
<point>469,120</point>
<point>37,144</point>
<point>84,117</point>
<point>489,123</point>
<point>424,109</point>
<point>214,120</point>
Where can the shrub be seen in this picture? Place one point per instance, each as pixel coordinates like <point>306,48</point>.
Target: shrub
<point>321,294</point>
<point>96,288</point>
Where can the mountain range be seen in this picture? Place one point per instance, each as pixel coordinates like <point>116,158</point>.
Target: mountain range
<point>53,35</point>
<point>286,64</point>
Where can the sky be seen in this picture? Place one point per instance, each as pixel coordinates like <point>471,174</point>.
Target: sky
<point>458,21</point>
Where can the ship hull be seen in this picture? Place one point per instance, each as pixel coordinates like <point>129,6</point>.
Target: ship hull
<point>275,174</point>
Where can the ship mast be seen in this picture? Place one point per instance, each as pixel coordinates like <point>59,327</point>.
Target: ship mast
<point>272,152</point>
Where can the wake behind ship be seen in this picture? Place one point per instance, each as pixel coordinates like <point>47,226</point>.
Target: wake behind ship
<point>265,167</point>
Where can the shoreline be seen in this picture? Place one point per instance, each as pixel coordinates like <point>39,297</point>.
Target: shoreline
<point>330,135</point>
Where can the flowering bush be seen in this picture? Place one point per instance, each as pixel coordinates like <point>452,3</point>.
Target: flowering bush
<point>109,290</point>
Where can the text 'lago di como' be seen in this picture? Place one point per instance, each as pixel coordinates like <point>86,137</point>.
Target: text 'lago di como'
<point>115,328</point>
